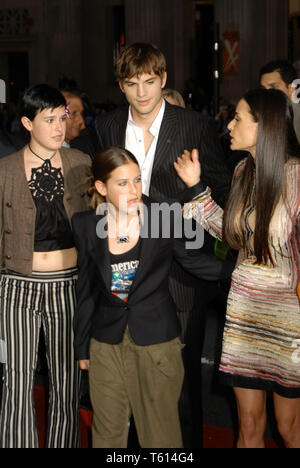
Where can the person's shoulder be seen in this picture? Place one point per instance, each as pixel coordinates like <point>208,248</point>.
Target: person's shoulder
<point>76,156</point>
<point>296,108</point>
<point>84,219</point>
<point>84,215</point>
<point>6,148</point>
<point>292,184</point>
<point>10,163</point>
<point>11,158</point>
<point>84,225</point>
<point>116,115</point>
<point>189,116</point>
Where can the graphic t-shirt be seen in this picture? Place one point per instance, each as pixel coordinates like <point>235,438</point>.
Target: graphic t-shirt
<point>123,269</point>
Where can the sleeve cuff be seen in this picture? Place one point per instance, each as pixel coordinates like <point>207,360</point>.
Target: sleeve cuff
<point>190,193</point>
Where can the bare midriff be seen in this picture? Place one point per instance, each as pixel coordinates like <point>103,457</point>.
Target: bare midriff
<point>54,261</point>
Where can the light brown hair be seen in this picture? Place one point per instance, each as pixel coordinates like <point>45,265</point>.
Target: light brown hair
<point>175,95</point>
<point>104,163</point>
<point>140,58</point>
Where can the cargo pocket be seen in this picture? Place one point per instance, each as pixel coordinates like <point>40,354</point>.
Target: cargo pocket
<point>167,357</point>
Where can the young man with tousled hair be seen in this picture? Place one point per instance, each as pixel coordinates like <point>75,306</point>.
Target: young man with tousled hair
<point>281,74</point>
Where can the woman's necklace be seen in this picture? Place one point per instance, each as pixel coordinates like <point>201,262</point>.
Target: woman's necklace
<point>46,182</point>
<point>125,239</point>
<point>47,159</point>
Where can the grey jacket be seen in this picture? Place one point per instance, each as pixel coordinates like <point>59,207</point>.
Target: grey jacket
<point>17,208</point>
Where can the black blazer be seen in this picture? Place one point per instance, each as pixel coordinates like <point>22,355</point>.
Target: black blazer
<point>180,129</point>
<point>150,312</point>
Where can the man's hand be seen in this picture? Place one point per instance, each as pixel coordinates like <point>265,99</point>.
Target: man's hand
<point>188,167</point>
<point>84,364</point>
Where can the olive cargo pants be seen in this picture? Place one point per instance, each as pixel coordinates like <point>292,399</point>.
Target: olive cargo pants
<point>143,381</point>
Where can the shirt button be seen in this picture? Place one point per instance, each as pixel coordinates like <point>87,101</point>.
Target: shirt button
<point>9,205</point>
<point>8,257</point>
<point>8,232</point>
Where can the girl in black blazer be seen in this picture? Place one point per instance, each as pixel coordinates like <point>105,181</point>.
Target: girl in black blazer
<point>126,327</point>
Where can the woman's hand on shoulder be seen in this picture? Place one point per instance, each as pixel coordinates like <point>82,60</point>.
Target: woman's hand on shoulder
<point>188,167</point>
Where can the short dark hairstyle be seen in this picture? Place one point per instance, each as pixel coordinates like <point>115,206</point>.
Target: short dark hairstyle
<point>40,97</point>
<point>284,67</point>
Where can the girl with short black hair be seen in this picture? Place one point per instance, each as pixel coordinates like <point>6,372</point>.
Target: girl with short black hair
<point>38,196</point>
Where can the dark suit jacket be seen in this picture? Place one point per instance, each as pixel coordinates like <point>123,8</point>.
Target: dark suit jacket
<point>181,129</point>
<point>150,312</point>
<point>87,142</point>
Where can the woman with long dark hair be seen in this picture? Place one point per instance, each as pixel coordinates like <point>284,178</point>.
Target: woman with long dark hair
<point>261,344</point>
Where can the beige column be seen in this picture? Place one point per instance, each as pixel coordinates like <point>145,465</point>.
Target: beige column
<point>143,20</point>
<point>63,39</point>
<point>263,27</point>
<point>160,22</point>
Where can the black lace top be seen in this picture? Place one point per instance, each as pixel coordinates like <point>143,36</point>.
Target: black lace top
<point>52,227</point>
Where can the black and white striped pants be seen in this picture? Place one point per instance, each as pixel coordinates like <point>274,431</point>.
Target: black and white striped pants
<point>27,303</point>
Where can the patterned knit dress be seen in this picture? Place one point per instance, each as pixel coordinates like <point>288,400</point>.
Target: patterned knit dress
<point>261,341</point>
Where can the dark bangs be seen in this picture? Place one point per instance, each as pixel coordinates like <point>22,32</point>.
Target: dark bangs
<point>40,97</point>
<point>138,59</point>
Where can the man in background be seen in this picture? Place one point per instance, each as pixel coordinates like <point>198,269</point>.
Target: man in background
<point>76,121</point>
<point>78,135</point>
<point>281,74</point>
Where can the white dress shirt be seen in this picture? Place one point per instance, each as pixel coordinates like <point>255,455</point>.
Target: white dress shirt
<point>135,144</point>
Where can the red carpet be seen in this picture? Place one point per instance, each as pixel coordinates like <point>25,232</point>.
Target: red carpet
<point>214,437</point>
